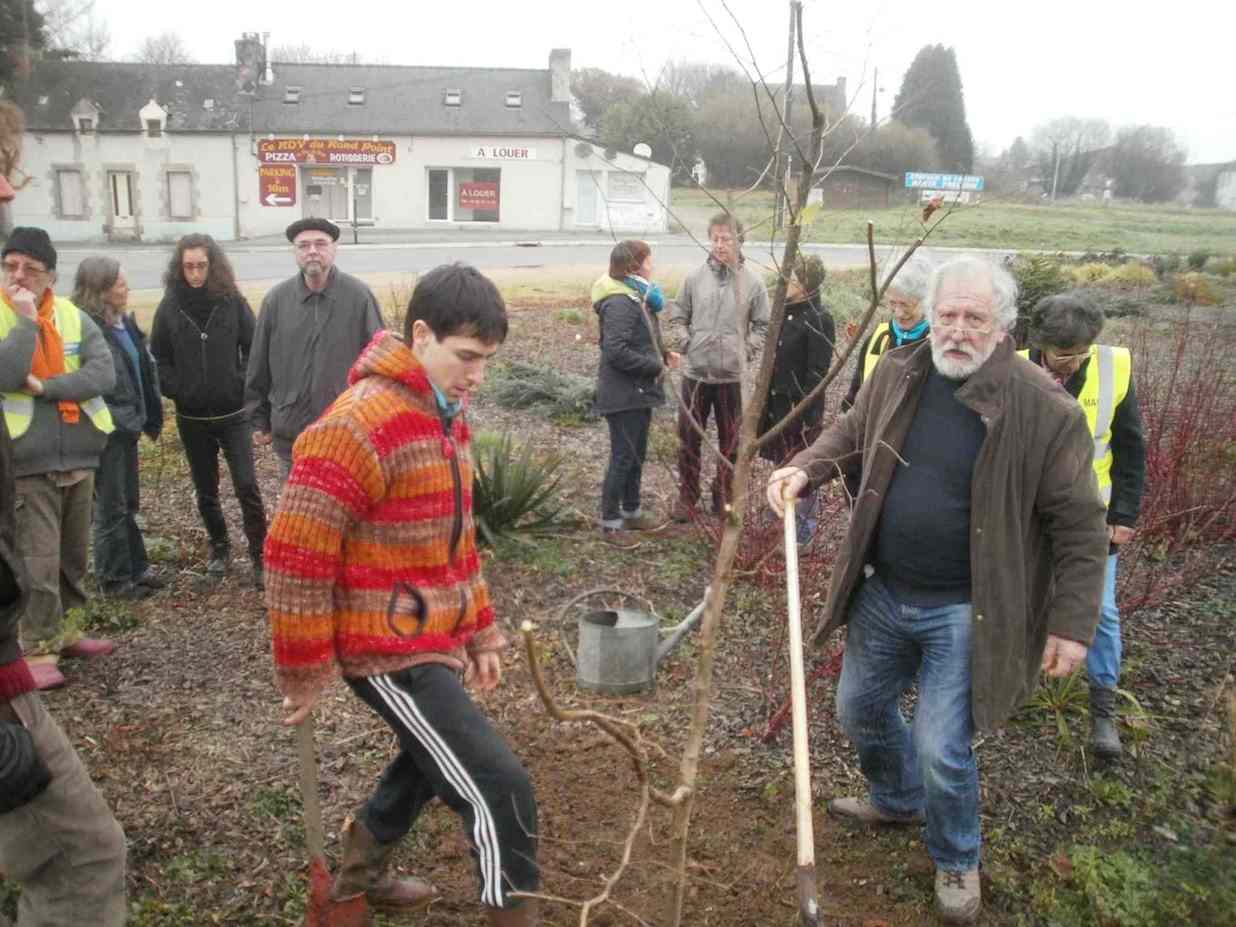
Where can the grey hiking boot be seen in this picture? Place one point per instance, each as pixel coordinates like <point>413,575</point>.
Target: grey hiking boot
<point>1104,734</point>
<point>862,811</point>
<point>958,896</point>
<point>220,559</point>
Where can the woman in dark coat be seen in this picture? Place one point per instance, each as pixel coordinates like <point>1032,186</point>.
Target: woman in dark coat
<point>201,336</point>
<point>633,362</point>
<point>120,563</point>
<point>804,354</point>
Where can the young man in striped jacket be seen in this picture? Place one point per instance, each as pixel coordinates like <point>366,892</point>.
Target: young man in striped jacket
<point>372,570</point>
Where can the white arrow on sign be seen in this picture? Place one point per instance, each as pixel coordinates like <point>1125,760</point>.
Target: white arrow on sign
<point>272,200</point>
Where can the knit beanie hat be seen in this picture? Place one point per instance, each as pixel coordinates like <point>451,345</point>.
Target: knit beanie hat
<point>33,242</point>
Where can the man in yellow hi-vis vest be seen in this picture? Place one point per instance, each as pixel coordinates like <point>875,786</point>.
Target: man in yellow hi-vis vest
<point>57,366</point>
<point>1063,330</point>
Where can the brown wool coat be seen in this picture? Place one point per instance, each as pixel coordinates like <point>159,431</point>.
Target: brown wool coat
<point>1039,538</point>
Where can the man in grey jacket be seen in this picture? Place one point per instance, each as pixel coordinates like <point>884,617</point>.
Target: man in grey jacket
<point>723,308</point>
<point>310,330</point>
<point>56,366</point>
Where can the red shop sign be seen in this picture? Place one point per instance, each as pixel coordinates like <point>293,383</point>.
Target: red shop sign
<point>325,151</point>
<point>478,194</point>
<point>277,185</point>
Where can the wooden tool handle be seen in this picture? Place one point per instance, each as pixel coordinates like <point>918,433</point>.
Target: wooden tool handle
<point>314,839</point>
<point>808,906</point>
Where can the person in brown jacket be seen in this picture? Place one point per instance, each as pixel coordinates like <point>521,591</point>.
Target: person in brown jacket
<point>974,559</point>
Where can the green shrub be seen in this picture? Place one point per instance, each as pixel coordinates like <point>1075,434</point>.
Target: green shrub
<point>1093,272</point>
<point>1198,259</point>
<point>1194,288</point>
<point>1132,276</point>
<point>1164,264</point>
<point>1037,275</point>
<point>516,385</point>
<point>515,491</point>
<point>1223,267</point>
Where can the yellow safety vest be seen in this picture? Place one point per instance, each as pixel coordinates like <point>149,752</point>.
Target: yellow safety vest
<point>19,407</point>
<point>876,347</point>
<point>1107,383</point>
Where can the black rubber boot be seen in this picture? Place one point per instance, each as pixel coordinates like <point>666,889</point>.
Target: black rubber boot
<point>1104,733</point>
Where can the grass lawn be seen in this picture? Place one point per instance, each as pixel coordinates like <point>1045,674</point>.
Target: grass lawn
<point>1065,227</point>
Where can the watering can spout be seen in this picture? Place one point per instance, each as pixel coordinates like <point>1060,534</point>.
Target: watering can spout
<point>680,630</point>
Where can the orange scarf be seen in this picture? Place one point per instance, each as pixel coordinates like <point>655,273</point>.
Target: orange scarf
<point>48,360</point>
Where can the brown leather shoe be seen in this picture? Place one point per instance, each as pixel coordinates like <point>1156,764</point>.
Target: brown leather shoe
<point>84,648</point>
<point>365,868</point>
<point>862,811</point>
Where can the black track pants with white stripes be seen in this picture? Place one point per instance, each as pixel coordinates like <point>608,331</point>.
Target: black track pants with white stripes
<point>449,749</point>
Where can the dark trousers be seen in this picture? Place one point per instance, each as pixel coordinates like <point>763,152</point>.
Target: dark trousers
<point>628,446</point>
<point>202,443</point>
<point>119,551</point>
<point>724,400</point>
<point>448,749</point>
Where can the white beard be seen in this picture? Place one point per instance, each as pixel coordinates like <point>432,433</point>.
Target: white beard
<point>953,367</point>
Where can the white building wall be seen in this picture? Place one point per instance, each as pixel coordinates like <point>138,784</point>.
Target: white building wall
<point>539,186</point>
<point>1225,190</point>
<point>207,159</point>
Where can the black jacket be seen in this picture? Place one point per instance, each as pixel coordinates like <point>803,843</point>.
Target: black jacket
<point>202,349</point>
<point>804,354</point>
<point>629,375</point>
<point>135,409</point>
<point>13,585</point>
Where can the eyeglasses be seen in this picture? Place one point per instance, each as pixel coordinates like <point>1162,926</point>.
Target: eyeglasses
<point>13,268</point>
<point>1057,358</point>
<point>303,246</point>
<point>966,324</point>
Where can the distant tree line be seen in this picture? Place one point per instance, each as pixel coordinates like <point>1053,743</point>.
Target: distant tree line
<point>698,111</point>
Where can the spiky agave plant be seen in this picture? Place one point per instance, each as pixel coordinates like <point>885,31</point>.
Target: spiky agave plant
<point>515,490</point>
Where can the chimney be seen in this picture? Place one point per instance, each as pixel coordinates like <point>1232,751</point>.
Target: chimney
<point>560,75</point>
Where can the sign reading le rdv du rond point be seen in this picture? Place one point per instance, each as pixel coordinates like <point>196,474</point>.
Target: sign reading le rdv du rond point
<point>927,181</point>
<point>325,151</point>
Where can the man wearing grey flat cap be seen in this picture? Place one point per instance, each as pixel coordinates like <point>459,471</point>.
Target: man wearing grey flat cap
<point>310,330</point>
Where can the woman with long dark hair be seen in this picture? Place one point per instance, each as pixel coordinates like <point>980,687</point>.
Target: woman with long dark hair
<point>201,336</point>
<point>120,563</point>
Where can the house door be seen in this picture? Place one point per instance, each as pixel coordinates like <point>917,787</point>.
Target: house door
<point>120,188</point>
<point>586,185</point>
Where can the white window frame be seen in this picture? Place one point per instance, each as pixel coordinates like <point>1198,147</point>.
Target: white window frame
<point>514,99</point>
<point>81,193</point>
<point>171,199</point>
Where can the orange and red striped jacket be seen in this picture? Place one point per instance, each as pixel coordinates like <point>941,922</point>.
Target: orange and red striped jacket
<point>371,560</point>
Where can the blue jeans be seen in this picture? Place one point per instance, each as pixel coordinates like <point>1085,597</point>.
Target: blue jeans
<point>1103,660</point>
<point>928,766</point>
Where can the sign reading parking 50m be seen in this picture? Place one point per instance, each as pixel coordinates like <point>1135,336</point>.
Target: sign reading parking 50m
<point>325,151</point>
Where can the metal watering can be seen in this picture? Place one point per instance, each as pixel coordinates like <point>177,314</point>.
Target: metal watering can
<point>620,648</point>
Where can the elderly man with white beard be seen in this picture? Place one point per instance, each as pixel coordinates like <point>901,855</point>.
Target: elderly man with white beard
<point>973,560</point>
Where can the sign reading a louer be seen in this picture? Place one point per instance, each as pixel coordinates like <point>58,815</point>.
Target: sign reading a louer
<point>277,184</point>
<point>325,151</point>
<point>943,181</point>
<point>502,153</point>
<point>478,194</point>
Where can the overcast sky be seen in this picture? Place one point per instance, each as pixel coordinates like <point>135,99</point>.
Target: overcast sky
<point>1167,64</point>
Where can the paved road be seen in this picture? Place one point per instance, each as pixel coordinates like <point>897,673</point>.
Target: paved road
<point>144,265</point>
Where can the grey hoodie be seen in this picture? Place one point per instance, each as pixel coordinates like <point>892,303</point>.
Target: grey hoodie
<point>51,445</point>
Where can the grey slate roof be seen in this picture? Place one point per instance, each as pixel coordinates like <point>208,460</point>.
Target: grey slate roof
<point>398,99</point>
